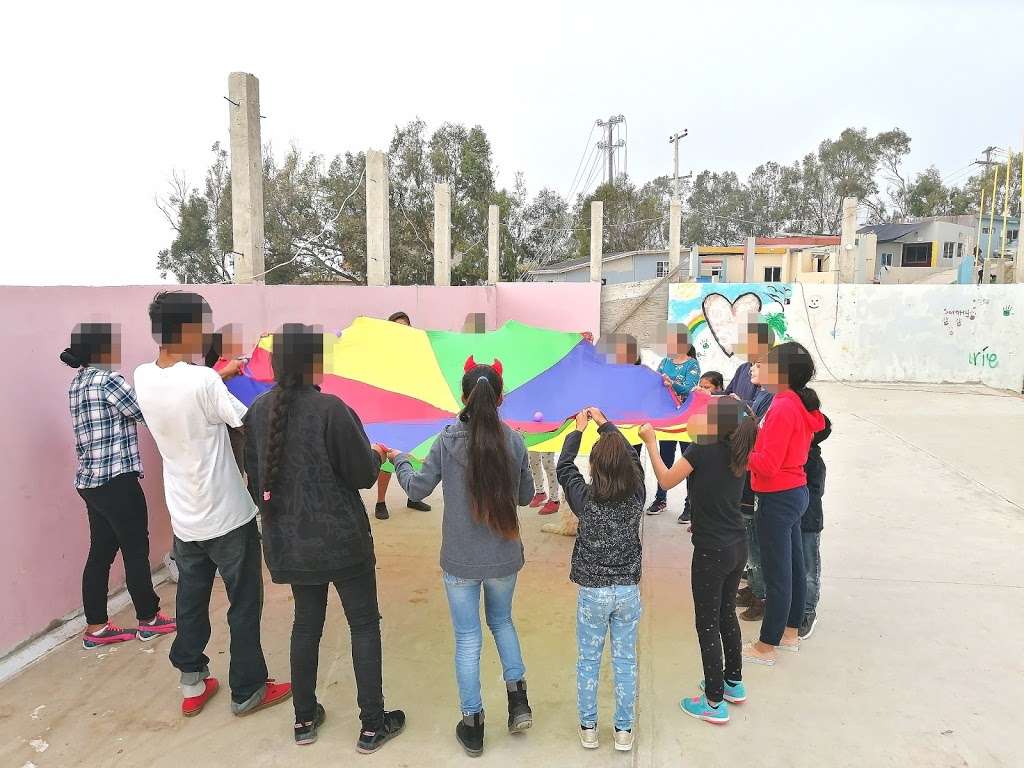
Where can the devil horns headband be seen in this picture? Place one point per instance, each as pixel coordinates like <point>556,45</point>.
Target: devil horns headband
<point>471,364</point>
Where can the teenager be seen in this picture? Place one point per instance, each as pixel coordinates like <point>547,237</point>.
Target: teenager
<point>811,525</point>
<point>606,562</point>
<point>307,457</point>
<point>188,410</point>
<point>755,340</point>
<point>104,412</point>
<point>751,597</point>
<point>380,511</point>
<point>485,473</point>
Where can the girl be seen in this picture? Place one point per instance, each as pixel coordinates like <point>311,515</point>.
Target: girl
<point>542,467</point>
<point>712,383</point>
<point>104,412</point>
<point>486,476</point>
<point>307,457</point>
<point>751,597</point>
<point>714,467</point>
<point>779,482</point>
<point>384,479</point>
<point>606,565</point>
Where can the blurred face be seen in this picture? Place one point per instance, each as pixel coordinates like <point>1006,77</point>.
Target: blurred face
<point>753,336</point>
<point>193,339</point>
<point>767,374</point>
<point>231,342</point>
<point>402,321</point>
<point>678,340</point>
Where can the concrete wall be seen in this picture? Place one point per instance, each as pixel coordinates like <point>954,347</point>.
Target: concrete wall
<point>45,530</point>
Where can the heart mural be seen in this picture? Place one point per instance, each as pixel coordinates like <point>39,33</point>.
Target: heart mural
<point>723,317</point>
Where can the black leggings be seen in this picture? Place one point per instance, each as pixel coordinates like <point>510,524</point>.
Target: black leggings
<point>358,595</point>
<point>715,577</point>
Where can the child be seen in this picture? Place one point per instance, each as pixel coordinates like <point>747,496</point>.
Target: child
<point>778,479</point>
<point>606,565</point>
<point>542,468</point>
<point>307,457</point>
<point>104,412</point>
<point>810,527</point>
<point>751,597</point>
<point>486,476</point>
<point>384,479</point>
<point>712,383</point>
<point>755,341</point>
<point>188,409</point>
<point>714,467</point>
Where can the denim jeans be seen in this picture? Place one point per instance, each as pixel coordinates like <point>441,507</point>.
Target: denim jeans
<point>782,558</point>
<point>756,579</point>
<point>667,449</point>
<point>812,566</point>
<point>598,611</point>
<point>464,604</point>
<point>237,554</point>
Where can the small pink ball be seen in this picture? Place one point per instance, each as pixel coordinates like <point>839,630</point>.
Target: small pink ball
<point>538,416</point>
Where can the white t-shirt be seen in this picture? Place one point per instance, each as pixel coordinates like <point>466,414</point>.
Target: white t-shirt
<point>187,410</point>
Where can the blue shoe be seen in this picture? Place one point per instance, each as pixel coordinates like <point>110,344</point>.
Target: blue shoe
<point>698,707</point>
<point>735,693</point>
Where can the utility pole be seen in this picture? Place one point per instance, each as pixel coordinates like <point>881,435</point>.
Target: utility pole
<point>610,145</point>
<point>674,141</point>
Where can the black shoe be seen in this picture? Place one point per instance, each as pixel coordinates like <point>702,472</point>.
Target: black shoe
<point>807,625</point>
<point>656,508</point>
<point>744,597</point>
<point>305,733</point>
<point>419,506</point>
<point>684,519</point>
<point>470,733</point>
<point>381,511</point>
<point>520,716</point>
<point>370,741</point>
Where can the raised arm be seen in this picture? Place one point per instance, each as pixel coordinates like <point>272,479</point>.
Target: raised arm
<point>568,474</point>
<point>667,478</point>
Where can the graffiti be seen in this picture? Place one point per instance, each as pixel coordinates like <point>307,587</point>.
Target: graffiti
<point>955,318</point>
<point>713,312</point>
<point>983,359</point>
<point>724,317</point>
<point>1008,310</point>
<point>814,302</point>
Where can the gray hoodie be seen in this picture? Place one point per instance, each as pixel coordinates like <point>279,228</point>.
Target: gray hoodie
<point>469,549</point>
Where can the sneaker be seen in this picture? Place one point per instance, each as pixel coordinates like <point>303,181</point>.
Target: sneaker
<point>305,733</point>
<point>735,693</point>
<point>155,627</point>
<point>684,518</point>
<point>370,741</point>
<point>538,499</point>
<point>470,733</point>
<point>588,737</point>
<point>549,508</point>
<point>656,508</point>
<point>755,612</point>
<point>381,511</point>
<point>807,625</point>
<point>272,693</point>
<point>109,635</point>
<point>419,506</point>
<point>744,597</point>
<point>193,705</point>
<point>520,716</point>
<point>699,707</point>
<point>623,740</point>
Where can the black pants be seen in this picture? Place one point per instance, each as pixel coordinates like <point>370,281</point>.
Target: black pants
<point>715,577</point>
<point>358,595</point>
<point>238,556</point>
<point>118,520</point>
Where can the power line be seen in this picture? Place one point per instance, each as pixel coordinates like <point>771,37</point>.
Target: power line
<point>583,155</point>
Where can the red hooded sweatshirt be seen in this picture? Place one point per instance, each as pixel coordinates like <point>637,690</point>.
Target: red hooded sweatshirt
<point>777,461</point>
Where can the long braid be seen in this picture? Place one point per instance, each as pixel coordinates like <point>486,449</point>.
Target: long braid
<point>276,433</point>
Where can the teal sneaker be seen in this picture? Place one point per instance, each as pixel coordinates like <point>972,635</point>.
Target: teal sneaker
<point>735,693</point>
<point>698,707</point>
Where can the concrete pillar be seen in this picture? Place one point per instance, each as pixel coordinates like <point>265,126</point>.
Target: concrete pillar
<point>442,234</point>
<point>865,255</point>
<point>694,262</point>
<point>378,219</point>
<point>674,226</point>
<point>246,177</point>
<point>848,240</point>
<point>493,273</point>
<point>749,254</point>
<point>1018,261</point>
<point>596,239</point>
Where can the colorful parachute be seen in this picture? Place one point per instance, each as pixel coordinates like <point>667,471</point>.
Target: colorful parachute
<point>405,383</point>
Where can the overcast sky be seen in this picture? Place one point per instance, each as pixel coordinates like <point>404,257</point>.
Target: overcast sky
<point>101,101</point>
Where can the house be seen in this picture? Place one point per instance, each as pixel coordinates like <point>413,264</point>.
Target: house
<point>911,251</point>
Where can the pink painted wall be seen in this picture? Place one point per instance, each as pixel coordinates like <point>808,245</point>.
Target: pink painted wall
<point>44,524</point>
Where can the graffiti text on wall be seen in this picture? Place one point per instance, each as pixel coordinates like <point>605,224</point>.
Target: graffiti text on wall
<point>983,359</point>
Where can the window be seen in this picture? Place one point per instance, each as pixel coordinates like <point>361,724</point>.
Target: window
<point>917,255</point>
<point>662,269</point>
<point>1012,234</point>
<point>984,230</point>
<point>948,249</point>
<point>959,250</point>
<point>886,260</point>
<point>772,274</point>
<point>716,274</point>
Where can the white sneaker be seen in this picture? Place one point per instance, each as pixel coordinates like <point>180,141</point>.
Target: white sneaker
<point>588,738</point>
<point>624,741</point>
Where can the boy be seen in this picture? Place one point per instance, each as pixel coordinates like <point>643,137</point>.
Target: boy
<point>810,528</point>
<point>188,409</point>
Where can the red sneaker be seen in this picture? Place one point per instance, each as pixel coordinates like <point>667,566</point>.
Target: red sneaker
<point>550,508</point>
<point>273,694</point>
<point>193,705</point>
<point>108,635</point>
<point>538,499</point>
<point>157,626</point>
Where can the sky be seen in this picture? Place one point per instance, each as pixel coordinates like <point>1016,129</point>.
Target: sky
<point>101,102</point>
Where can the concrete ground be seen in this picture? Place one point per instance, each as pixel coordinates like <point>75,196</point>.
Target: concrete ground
<point>916,660</point>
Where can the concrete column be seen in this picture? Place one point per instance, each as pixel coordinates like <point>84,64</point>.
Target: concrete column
<point>694,262</point>
<point>865,253</point>
<point>246,177</point>
<point>442,235</point>
<point>674,226</point>
<point>748,260</point>
<point>493,273</point>
<point>378,219</point>
<point>596,239</point>
<point>848,241</point>
<point>1018,262</point>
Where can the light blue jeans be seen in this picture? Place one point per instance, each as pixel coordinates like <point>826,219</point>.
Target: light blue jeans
<point>464,604</point>
<point>598,610</point>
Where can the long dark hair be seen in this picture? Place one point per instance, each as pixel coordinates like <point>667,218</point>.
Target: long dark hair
<point>614,473</point>
<point>796,367</point>
<point>489,470</point>
<point>89,342</point>
<point>734,423</point>
<point>298,350</point>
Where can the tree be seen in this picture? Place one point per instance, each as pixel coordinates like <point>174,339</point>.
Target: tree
<point>716,209</point>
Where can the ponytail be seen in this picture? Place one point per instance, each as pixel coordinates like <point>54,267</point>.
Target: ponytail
<point>69,358</point>
<point>796,369</point>
<point>276,432</point>
<point>741,443</point>
<point>809,398</point>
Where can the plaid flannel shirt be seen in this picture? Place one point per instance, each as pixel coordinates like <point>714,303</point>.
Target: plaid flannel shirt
<point>104,411</point>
